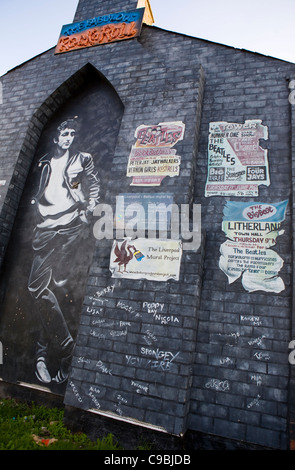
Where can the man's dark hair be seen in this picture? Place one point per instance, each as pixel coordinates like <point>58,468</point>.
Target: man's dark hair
<point>70,123</point>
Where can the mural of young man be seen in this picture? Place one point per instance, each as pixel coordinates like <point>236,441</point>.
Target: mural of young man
<point>68,192</point>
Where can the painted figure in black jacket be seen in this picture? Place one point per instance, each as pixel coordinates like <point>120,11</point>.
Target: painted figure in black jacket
<point>67,195</point>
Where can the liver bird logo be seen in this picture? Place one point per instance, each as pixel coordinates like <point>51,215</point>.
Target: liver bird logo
<point>125,253</point>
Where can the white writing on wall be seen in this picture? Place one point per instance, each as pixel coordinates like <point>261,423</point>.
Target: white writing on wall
<point>156,309</point>
<point>98,296</point>
<point>254,402</point>
<point>226,361</point>
<point>94,311</point>
<point>262,356</point>
<point>219,385</point>
<point>93,391</point>
<point>252,319</point>
<point>102,368</point>
<point>75,392</point>
<point>156,359</point>
<point>120,401</point>
<point>128,308</point>
<point>149,338</point>
<point>140,388</point>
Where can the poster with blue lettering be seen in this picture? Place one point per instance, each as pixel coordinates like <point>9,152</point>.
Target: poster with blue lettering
<point>251,231</point>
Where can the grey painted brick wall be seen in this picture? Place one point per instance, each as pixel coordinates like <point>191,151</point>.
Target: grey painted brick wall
<point>226,399</point>
<point>119,380</point>
<point>165,403</point>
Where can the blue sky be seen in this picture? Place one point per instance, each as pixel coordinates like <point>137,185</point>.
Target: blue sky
<point>29,27</point>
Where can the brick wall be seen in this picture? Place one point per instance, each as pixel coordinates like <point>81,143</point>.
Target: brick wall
<point>226,399</point>
<point>119,378</point>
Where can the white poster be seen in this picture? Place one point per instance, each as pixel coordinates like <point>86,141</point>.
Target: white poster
<point>152,158</point>
<point>152,259</point>
<point>237,164</point>
<point>252,230</point>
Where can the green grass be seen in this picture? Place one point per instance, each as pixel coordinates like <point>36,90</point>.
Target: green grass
<point>30,427</point>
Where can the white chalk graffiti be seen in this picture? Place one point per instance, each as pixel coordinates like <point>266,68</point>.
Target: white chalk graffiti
<point>82,360</point>
<point>165,319</point>
<point>120,401</point>
<point>106,290</point>
<point>75,392</point>
<point>116,333</point>
<point>94,311</point>
<point>127,308</point>
<point>158,354</point>
<point>226,361</point>
<point>97,335</point>
<point>235,336</point>
<point>101,322</point>
<point>218,385</point>
<point>161,360</point>
<point>253,319</point>
<point>149,338</point>
<point>156,308</point>
<point>153,307</point>
<point>262,356</point>
<point>102,368</point>
<point>93,391</point>
<point>98,294</point>
<point>139,387</point>
<point>258,341</point>
<point>254,402</point>
<point>257,379</point>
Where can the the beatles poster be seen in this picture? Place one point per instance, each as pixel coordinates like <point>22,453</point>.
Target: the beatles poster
<point>237,164</point>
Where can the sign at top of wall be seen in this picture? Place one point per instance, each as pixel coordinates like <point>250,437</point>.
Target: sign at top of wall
<point>237,164</point>
<point>100,30</point>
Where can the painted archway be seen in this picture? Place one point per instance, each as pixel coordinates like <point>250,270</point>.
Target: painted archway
<point>51,246</point>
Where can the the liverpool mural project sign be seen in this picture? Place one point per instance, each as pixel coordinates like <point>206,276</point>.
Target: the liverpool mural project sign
<point>251,230</point>
<point>237,164</point>
<point>152,259</point>
<point>100,30</point>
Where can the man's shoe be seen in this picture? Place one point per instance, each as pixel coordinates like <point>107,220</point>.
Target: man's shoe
<point>42,371</point>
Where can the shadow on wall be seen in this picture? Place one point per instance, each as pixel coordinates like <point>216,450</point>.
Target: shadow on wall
<point>51,247</point>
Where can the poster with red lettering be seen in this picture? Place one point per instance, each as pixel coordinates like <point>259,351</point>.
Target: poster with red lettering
<point>237,164</point>
<point>152,158</point>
